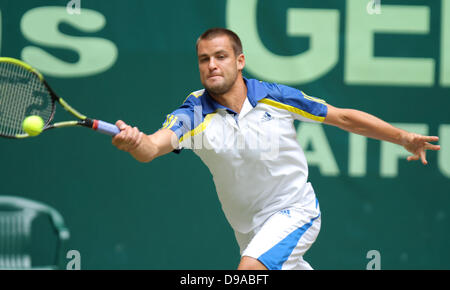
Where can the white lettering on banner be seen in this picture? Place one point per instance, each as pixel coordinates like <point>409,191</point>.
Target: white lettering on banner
<point>374,7</point>
<point>444,153</point>
<point>357,161</point>
<point>361,67</point>
<point>445,44</point>
<point>321,154</point>
<point>40,26</point>
<point>320,25</point>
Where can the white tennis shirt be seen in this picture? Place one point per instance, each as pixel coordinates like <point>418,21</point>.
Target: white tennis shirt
<point>257,165</point>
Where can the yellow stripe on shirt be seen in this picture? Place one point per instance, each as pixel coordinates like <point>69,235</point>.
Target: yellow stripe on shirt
<point>165,122</point>
<point>292,109</point>
<point>172,123</point>
<point>192,94</point>
<point>314,99</point>
<point>169,119</point>
<point>200,128</point>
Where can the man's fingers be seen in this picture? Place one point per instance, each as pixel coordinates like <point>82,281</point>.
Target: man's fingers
<point>134,138</point>
<point>429,138</point>
<point>429,146</point>
<point>139,138</point>
<point>128,139</point>
<point>423,157</point>
<point>121,124</point>
<point>412,158</point>
<point>418,145</point>
<point>127,133</point>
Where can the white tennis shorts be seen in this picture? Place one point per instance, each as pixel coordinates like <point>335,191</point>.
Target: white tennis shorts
<point>283,239</point>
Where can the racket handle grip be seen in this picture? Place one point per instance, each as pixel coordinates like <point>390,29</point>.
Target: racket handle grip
<point>105,128</point>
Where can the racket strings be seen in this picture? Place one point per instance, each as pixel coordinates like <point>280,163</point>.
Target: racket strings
<point>21,94</point>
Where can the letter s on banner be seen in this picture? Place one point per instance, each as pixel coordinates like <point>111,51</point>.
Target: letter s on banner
<point>40,26</point>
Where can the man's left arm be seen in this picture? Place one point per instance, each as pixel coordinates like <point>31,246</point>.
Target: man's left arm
<point>362,123</point>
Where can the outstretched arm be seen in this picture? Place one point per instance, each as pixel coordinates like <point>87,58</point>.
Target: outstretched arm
<point>362,123</point>
<point>142,147</point>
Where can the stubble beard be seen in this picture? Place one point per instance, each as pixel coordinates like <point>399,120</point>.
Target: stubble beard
<point>221,89</point>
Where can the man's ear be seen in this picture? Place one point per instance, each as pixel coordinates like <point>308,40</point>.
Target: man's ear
<point>240,62</point>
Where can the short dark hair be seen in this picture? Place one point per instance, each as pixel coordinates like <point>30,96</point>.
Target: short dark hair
<point>218,31</point>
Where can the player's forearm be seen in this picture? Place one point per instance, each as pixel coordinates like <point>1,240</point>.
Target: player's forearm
<point>152,146</point>
<point>365,124</point>
<point>146,151</point>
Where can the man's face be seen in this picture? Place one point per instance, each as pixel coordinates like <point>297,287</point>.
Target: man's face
<point>218,65</point>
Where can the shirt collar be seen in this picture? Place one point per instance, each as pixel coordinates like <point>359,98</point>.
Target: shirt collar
<point>255,92</point>
<point>209,105</point>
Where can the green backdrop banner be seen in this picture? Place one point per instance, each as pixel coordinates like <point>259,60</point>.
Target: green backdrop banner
<point>136,61</point>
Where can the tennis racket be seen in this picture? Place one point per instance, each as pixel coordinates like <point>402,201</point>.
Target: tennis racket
<point>24,92</point>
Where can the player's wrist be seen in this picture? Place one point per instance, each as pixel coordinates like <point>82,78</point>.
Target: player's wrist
<point>405,138</point>
<point>143,150</point>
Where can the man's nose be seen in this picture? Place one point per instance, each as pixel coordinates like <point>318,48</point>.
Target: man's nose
<point>212,64</point>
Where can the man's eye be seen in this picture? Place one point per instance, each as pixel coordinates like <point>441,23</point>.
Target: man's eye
<point>221,56</point>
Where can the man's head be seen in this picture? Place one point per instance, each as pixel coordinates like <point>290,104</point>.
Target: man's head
<point>220,59</point>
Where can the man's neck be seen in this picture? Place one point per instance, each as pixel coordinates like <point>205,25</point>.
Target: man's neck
<point>233,99</point>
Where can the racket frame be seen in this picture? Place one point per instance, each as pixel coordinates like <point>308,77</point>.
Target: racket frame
<point>83,120</point>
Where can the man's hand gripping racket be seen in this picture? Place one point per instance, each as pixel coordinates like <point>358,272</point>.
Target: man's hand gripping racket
<point>129,137</point>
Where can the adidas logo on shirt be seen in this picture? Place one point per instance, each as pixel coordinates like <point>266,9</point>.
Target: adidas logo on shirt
<point>267,117</point>
<point>285,212</point>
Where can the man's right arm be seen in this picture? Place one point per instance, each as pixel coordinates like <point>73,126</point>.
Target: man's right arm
<point>142,147</point>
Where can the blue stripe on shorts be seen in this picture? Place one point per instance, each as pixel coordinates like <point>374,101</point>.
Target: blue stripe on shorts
<point>275,257</point>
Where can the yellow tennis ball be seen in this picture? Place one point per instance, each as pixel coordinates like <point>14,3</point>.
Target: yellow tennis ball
<point>33,125</point>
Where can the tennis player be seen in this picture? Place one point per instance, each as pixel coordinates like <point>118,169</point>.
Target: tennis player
<point>242,129</point>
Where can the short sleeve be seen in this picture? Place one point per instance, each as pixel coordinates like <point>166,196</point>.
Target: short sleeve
<point>302,106</point>
<point>182,121</point>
